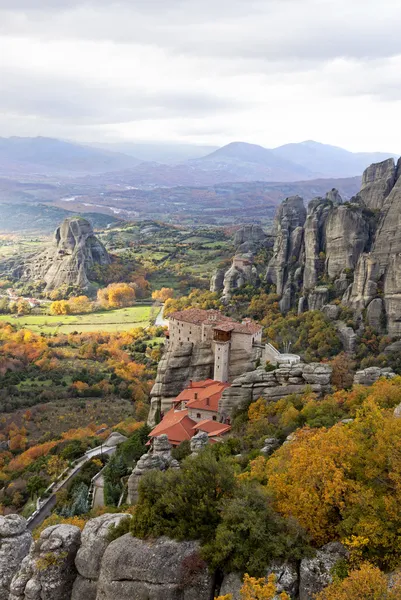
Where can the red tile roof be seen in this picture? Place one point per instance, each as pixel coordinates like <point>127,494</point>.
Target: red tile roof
<point>203,395</point>
<point>211,427</point>
<point>177,425</point>
<point>198,316</point>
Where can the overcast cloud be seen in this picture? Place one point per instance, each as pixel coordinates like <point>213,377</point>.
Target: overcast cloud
<point>203,71</point>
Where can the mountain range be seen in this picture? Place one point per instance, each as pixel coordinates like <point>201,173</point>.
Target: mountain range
<point>235,162</point>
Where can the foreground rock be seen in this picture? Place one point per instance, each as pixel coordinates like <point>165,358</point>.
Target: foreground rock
<point>370,375</point>
<point>161,569</point>
<point>48,572</point>
<point>315,573</point>
<point>94,541</point>
<point>15,542</point>
<point>71,257</point>
<point>274,385</point>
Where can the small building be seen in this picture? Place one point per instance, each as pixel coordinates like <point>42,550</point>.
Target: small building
<point>195,409</point>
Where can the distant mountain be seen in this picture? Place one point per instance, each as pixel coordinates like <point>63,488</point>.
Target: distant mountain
<point>161,152</point>
<point>329,161</point>
<point>240,161</point>
<point>48,156</point>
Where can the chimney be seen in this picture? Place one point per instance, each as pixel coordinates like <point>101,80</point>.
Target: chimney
<point>190,384</point>
<point>207,401</point>
<point>196,395</point>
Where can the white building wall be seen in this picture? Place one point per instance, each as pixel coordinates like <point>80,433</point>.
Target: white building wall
<point>204,414</point>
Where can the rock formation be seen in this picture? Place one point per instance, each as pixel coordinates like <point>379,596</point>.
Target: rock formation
<point>190,361</point>
<point>274,385</point>
<point>15,541</point>
<point>199,442</point>
<point>48,572</point>
<point>159,458</point>
<point>370,375</point>
<point>315,573</point>
<point>94,541</point>
<point>134,569</point>
<point>69,260</point>
<point>247,241</point>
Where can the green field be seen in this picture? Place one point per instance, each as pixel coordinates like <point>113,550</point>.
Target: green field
<point>112,320</point>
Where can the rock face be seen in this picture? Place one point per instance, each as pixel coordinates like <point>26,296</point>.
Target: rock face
<point>377,182</point>
<point>315,573</point>
<point>199,442</point>
<point>74,252</point>
<point>48,572</point>
<point>370,375</point>
<point>248,241</point>
<point>274,385</point>
<point>177,367</point>
<point>89,557</point>
<point>160,569</point>
<point>191,361</point>
<point>15,541</point>
<point>159,458</point>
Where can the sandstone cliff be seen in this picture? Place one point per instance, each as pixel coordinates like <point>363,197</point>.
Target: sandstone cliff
<point>68,261</point>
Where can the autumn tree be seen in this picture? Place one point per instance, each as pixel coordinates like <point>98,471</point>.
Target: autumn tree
<point>343,371</point>
<point>261,589</point>
<point>163,294</point>
<point>365,583</point>
<point>60,307</point>
<point>116,295</point>
<point>23,307</point>
<point>80,305</point>
<point>55,466</point>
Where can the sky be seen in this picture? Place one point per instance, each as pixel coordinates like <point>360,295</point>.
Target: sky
<point>203,71</point>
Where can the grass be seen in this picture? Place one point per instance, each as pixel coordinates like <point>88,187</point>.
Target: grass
<point>121,319</point>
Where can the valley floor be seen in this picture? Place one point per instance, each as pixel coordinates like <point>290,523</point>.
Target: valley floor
<point>121,319</point>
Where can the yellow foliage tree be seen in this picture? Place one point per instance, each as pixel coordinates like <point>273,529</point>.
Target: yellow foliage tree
<point>60,307</point>
<point>258,589</point>
<point>55,466</point>
<point>366,583</point>
<point>80,305</point>
<point>116,295</point>
<point>163,294</point>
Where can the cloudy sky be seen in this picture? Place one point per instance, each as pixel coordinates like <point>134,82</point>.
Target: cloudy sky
<point>203,71</point>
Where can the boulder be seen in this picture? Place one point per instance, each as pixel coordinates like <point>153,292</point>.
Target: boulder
<point>271,444</point>
<point>375,314</point>
<point>160,569</point>
<point>115,439</point>
<point>370,375</point>
<point>89,556</point>
<point>70,259</point>
<point>315,573</point>
<point>287,578</point>
<point>331,311</point>
<point>48,572</point>
<point>347,336</point>
<point>15,541</point>
<point>199,442</point>
<point>334,196</point>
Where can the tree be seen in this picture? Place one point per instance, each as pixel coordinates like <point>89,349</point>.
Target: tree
<point>251,534</point>
<point>60,307</point>
<point>261,589</point>
<point>343,371</point>
<point>365,583</point>
<point>55,466</point>
<point>36,485</point>
<point>163,294</point>
<point>116,295</point>
<point>23,307</point>
<point>80,305</point>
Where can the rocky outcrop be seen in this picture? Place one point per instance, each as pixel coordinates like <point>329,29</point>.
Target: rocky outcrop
<point>274,385</point>
<point>288,233</point>
<point>377,182</point>
<point>287,580</point>
<point>315,573</point>
<point>191,361</point>
<point>250,238</point>
<point>241,272</point>
<point>71,257</point>
<point>15,541</point>
<point>176,368</point>
<point>217,281</point>
<point>347,336</point>
<point>134,569</point>
<point>199,442</point>
<point>48,572</point>
<point>370,375</point>
<point>158,458</point>
<point>94,541</point>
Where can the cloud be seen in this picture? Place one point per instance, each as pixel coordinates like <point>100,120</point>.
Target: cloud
<point>267,71</point>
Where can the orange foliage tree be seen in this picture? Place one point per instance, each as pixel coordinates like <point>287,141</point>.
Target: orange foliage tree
<point>365,583</point>
<point>163,294</point>
<point>116,295</point>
